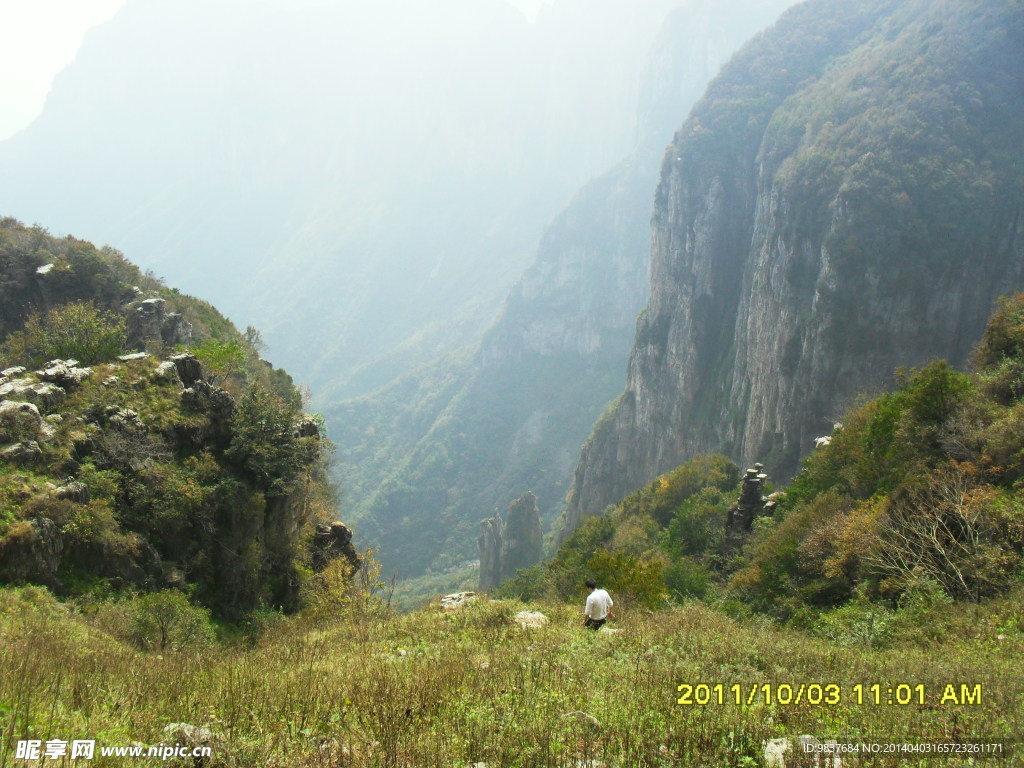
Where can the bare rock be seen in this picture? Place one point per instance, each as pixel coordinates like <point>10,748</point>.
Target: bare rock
<point>18,420</point>
<point>124,419</point>
<point>523,541</point>
<point>23,453</point>
<point>73,491</point>
<point>456,601</point>
<point>190,371</point>
<point>145,319</point>
<point>808,751</point>
<point>531,619</point>
<point>490,543</point>
<point>167,371</point>
<point>64,373</point>
<point>331,542</point>
<point>31,552</point>
<point>307,428</point>
<point>133,356</point>
<point>44,394</point>
<point>193,736</point>
<point>506,545</point>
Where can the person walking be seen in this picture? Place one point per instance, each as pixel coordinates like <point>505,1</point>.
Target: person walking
<point>598,608</point>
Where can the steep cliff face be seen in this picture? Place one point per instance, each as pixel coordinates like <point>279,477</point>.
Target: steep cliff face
<point>846,199</point>
<point>424,456</point>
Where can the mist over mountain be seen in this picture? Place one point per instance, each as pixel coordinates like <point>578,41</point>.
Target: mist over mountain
<point>848,197</point>
<point>365,180</point>
<point>426,458</point>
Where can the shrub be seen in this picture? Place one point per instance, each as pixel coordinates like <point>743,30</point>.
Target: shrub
<point>78,330</point>
<point>158,621</point>
<point>687,578</point>
<point>1004,335</point>
<point>698,525</point>
<point>265,443</point>
<point>220,359</point>
<point>628,578</point>
<point>954,531</point>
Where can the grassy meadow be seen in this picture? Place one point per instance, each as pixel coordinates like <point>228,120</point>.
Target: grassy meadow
<point>355,685</point>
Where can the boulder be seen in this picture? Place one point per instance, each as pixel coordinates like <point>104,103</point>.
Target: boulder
<point>44,394</point>
<point>307,428</point>
<point>808,752</point>
<point>144,321</point>
<point>456,601</point>
<point>190,371</point>
<point>21,453</point>
<point>73,491</point>
<point>531,619</point>
<point>124,419</point>
<point>31,552</point>
<point>331,542</point>
<point>18,420</point>
<point>192,736</point>
<point>584,719</point>
<point>64,373</point>
<point>167,371</point>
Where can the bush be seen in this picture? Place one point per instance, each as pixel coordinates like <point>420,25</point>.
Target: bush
<point>698,526</point>
<point>687,578</point>
<point>265,442</point>
<point>1004,335</point>
<point>628,578</point>
<point>220,359</point>
<point>159,621</point>
<point>78,330</point>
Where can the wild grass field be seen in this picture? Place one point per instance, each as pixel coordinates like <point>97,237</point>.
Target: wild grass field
<point>354,685</point>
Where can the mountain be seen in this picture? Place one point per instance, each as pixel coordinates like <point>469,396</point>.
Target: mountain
<point>425,459</point>
<point>143,443</point>
<point>847,198</point>
<point>363,179</point>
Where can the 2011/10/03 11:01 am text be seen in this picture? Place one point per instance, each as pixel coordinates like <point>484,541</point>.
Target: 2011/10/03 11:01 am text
<point>830,694</point>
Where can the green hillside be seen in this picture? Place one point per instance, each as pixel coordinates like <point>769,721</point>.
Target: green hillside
<point>143,443</point>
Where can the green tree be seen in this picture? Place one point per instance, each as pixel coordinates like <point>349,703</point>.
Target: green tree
<point>220,359</point>
<point>265,440</point>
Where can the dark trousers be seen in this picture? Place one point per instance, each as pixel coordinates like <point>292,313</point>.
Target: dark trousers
<point>594,624</point>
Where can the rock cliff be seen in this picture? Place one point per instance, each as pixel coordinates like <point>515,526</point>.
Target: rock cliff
<point>845,199</point>
<point>508,544</point>
<point>511,412</point>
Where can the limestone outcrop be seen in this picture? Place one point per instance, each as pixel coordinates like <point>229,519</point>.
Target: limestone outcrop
<point>331,542</point>
<point>148,320</point>
<point>490,543</point>
<point>508,544</point>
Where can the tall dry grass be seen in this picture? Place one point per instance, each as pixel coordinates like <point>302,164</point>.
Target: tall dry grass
<point>453,690</point>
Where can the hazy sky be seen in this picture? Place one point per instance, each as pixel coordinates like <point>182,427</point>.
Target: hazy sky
<point>38,38</point>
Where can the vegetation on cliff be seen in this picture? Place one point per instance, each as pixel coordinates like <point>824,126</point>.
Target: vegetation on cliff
<point>144,443</point>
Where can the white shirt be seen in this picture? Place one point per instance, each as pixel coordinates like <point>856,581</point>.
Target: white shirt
<point>598,604</point>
